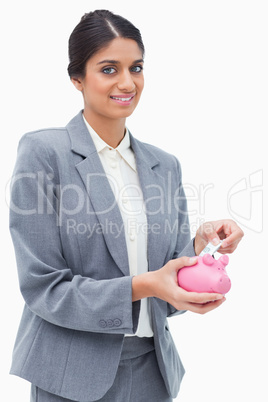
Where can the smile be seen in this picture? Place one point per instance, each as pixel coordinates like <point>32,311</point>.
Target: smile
<point>123,99</point>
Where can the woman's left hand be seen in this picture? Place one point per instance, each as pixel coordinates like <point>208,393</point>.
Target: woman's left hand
<point>214,231</point>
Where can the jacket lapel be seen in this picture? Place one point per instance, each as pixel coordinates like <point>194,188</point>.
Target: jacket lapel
<point>105,207</point>
<point>154,188</point>
<point>99,191</point>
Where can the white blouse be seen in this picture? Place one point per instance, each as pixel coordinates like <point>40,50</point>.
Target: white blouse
<point>120,167</point>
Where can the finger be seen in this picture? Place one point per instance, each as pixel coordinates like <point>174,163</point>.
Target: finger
<point>228,229</point>
<point>210,233</point>
<point>233,239</point>
<point>228,249</point>
<point>202,298</point>
<point>205,308</point>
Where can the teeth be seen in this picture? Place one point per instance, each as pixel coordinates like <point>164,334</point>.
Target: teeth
<point>122,99</point>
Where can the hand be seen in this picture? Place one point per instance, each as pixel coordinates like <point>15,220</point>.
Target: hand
<point>163,284</point>
<point>214,231</point>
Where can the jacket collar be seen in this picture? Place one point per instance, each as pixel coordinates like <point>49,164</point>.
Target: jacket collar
<point>82,143</point>
<point>123,149</point>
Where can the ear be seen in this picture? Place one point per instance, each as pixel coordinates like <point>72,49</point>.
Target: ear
<point>208,259</point>
<point>224,259</point>
<point>77,83</point>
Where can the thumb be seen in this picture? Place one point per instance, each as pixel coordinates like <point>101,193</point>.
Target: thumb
<point>214,239</point>
<point>210,234</point>
<point>184,262</point>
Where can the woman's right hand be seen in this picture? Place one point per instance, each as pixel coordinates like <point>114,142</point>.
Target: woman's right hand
<point>163,284</point>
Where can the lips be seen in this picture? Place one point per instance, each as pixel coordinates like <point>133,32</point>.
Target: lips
<point>123,98</point>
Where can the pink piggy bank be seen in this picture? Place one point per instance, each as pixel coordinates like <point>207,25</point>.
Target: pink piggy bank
<point>207,275</point>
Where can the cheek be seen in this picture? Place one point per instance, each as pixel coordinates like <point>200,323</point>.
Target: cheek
<point>140,84</point>
<point>96,86</point>
<point>101,86</point>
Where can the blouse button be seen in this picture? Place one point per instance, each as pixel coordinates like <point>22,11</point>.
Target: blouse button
<point>132,237</point>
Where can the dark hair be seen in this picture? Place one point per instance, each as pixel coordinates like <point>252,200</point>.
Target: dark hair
<point>95,30</point>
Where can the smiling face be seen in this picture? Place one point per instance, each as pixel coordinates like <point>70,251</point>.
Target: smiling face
<point>113,81</point>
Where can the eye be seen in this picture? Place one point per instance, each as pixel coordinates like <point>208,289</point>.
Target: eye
<point>137,69</point>
<point>108,70</point>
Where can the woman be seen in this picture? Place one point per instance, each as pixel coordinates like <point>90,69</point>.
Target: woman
<point>100,229</point>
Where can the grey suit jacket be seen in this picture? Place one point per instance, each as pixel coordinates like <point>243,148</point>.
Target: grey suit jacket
<point>73,264</point>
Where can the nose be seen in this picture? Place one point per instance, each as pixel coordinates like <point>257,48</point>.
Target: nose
<point>126,82</point>
<point>224,285</point>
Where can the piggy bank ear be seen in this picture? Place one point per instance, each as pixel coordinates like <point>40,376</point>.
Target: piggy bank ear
<point>208,259</point>
<point>224,259</point>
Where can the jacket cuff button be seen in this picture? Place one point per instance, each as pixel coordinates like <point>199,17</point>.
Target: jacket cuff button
<point>102,323</point>
<point>117,322</point>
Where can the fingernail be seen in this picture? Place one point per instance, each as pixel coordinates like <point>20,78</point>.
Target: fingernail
<point>224,244</point>
<point>193,260</point>
<point>215,241</point>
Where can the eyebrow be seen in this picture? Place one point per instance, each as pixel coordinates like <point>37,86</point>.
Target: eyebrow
<point>118,62</point>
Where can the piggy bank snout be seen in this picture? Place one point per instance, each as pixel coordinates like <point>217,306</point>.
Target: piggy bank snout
<point>223,284</point>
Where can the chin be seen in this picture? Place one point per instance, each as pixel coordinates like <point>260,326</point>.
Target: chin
<point>122,114</point>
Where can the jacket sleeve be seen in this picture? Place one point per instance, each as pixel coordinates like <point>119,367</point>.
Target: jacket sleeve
<point>47,283</point>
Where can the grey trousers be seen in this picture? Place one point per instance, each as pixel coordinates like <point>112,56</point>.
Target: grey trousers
<point>138,378</point>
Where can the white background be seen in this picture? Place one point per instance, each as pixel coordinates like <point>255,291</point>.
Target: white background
<point>205,100</point>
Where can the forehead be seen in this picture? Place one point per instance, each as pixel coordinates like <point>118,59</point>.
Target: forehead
<point>119,49</point>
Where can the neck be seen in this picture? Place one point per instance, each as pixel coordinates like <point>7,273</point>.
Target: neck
<point>111,131</point>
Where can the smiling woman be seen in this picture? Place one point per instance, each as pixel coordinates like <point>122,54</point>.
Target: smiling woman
<point>99,287</point>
